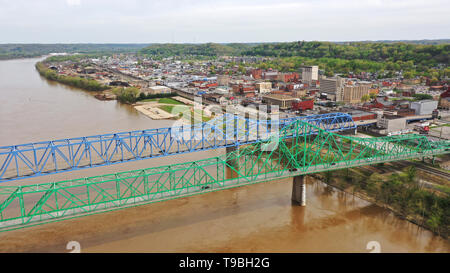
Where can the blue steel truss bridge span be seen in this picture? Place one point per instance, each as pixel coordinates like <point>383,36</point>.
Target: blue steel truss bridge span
<point>55,156</point>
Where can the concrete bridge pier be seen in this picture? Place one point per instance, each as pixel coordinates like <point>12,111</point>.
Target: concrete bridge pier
<point>233,162</point>
<point>299,190</point>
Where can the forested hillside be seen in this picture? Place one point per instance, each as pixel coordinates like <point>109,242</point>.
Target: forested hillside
<point>419,54</point>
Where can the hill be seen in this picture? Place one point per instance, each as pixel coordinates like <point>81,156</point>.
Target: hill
<point>208,49</point>
<point>12,51</point>
<point>372,51</point>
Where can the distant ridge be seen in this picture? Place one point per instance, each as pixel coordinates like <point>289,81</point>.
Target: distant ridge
<point>283,49</point>
<point>419,42</point>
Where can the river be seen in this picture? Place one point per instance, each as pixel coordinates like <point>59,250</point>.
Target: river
<point>255,218</point>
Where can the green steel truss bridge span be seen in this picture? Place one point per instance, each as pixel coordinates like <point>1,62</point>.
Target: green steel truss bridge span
<point>310,149</point>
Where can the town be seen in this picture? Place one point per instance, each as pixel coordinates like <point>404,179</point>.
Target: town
<point>381,106</point>
<point>241,128</point>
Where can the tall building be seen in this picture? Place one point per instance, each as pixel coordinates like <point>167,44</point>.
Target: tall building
<point>332,86</point>
<point>310,73</point>
<point>354,93</point>
<point>328,85</point>
<point>344,91</point>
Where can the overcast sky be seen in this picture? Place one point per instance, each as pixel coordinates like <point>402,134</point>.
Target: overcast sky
<point>161,21</point>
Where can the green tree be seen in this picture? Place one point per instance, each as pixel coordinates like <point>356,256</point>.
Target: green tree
<point>411,174</point>
<point>328,176</point>
<point>365,98</point>
<point>423,97</point>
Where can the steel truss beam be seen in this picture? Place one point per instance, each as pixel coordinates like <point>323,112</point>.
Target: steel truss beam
<point>309,149</point>
<point>43,158</point>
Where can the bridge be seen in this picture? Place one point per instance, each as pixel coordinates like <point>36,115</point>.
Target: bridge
<point>301,148</point>
<point>47,157</point>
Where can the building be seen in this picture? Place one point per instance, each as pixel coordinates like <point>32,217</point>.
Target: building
<point>292,86</point>
<point>391,123</point>
<point>406,112</point>
<point>283,101</point>
<point>298,93</point>
<point>310,73</point>
<point>270,75</point>
<point>380,103</point>
<point>243,89</point>
<point>424,107</point>
<point>444,100</point>
<point>256,74</point>
<point>347,92</point>
<point>358,115</point>
<point>223,80</point>
<point>353,93</point>
<point>288,77</point>
<point>264,87</point>
<point>330,86</point>
<point>302,105</point>
<point>159,90</point>
<point>222,90</point>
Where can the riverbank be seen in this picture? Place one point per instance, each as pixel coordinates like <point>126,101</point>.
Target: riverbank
<point>82,83</point>
<point>400,192</point>
<point>9,58</point>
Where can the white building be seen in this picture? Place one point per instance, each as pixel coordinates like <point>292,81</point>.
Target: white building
<point>424,107</point>
<point>264,87</point>
<point>159,90</point>
<point>310,73</point>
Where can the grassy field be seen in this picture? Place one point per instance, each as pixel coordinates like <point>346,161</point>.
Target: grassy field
<point>186,112</point>
<point>149,100</point>
<point>170,101</point>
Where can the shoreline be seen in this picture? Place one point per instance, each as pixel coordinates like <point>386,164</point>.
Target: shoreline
<point>22,58</point>
<point>368,198</point>
<point>82,83</point>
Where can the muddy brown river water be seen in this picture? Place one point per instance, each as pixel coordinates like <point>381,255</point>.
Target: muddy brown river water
<point>255,218</point>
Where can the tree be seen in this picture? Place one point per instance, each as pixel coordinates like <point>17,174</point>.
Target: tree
<point>436,217</point>
<point>328,176</point>
<point>129,95</point>
<point>423,97</point>
<point>372,183</point>
<point>411,174</point>
<point>365,98</point>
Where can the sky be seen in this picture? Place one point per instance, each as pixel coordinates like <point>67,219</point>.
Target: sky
<point>221,21</point>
